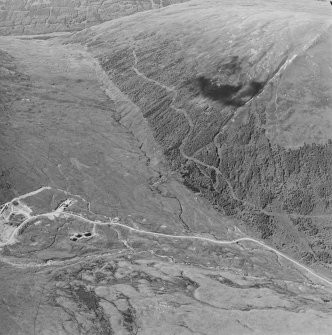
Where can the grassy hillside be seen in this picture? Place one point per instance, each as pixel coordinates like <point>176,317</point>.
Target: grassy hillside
<point>238,96</point>
<point>99,236</point>
<point>37,17</point>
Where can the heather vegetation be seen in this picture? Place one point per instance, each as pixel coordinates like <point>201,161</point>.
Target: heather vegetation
<point>260,172</point>
<point>210,114</point>
<point>225,110</point>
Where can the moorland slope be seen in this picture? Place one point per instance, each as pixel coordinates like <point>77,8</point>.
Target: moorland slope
<point>38,17</point>
<point>239,98</point>
<point>111,243</point>
<point>101,129</point>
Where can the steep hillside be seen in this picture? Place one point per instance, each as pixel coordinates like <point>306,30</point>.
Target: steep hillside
<point>97,237</point>
<point>168,171</point>
<point>238,96</point>
<point>46,16</point>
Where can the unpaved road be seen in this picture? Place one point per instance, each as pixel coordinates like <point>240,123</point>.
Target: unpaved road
<point>60,212</point>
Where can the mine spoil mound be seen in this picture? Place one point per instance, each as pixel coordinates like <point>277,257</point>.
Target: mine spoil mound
<point>239,98</point>
<point>38,17</point>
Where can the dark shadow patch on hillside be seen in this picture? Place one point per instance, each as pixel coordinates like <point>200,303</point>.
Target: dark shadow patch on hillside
<point>215,91</point>
<point>231,95</point>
